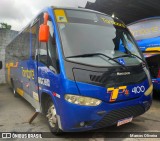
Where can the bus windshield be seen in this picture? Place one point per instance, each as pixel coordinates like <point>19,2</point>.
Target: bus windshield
<point>88,33</point>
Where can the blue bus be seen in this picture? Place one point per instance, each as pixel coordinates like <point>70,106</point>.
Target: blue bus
<point>147,34</point>
<point>80,68</point>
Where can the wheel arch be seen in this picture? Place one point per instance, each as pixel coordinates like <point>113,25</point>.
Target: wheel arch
<point>44,97</point>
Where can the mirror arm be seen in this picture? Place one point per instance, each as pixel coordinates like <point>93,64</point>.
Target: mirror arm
<point>46,17</point>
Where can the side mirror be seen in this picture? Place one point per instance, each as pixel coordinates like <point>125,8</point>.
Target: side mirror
<point>44,30</point>
<point>1,65</point>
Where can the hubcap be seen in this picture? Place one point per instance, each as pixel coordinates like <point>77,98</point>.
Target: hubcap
<point>51,115</point>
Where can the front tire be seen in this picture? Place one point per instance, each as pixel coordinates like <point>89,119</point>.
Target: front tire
<point>51,116</point>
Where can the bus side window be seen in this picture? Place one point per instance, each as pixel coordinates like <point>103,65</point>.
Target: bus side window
<point>43,58</point>
<point>52,49</point>
<point>25,44</point>
<point>21,46</point>
<point>34,40</point>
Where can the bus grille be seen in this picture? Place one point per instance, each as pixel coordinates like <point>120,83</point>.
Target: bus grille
<point>113,80</point>
<point>112,117</point>
<point>110,77</point>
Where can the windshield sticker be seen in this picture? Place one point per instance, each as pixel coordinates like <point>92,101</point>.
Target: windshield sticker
<point>121,60</point>
<point>60,16</point>
<point>107,21</point>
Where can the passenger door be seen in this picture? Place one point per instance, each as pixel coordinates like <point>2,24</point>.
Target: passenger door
<point>33,65</point>
<point>48,62</point>
<point>44,62</point>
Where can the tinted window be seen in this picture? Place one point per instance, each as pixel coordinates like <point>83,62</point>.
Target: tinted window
<point>24,41</point>
<point>20,46</point>
<point>34,36</point>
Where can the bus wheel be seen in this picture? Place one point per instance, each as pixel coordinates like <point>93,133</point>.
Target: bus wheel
<point>52,118</point>
<point>14,90</point>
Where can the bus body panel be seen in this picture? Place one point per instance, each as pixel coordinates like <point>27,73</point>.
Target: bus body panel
<point>102,93</point>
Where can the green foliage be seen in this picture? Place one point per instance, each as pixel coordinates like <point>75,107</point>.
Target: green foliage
<point>5,26</point>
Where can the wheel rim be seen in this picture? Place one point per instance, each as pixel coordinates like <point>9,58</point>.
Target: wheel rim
<point>51,115</point>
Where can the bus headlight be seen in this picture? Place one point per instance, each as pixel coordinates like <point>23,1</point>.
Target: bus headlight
<point>82,100</point>
<point>149,90</point>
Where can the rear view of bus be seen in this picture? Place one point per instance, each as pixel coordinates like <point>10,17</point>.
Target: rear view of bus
<point>102,77</point>
<point>147,35</point>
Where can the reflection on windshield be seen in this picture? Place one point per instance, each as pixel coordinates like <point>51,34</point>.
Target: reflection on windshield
<point>82,39</point>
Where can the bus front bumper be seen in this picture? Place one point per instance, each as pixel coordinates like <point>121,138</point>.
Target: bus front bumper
<point>75,118</point>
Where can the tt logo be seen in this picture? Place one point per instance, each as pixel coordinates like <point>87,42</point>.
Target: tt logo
<point>115,91</point>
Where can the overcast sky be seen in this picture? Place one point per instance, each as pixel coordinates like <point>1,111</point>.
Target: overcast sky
<point>18,13</point>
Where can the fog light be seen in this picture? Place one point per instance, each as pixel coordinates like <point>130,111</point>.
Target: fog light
<point>82,124</point>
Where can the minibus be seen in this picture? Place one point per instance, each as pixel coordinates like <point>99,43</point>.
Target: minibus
<point>81,68</point>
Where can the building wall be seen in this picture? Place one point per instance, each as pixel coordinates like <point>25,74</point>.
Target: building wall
<point>5,37</point>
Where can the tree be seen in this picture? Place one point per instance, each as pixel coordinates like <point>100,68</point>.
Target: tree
<point>5,26</point>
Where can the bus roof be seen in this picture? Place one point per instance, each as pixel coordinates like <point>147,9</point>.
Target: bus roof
<point>84,9</point>
<point>81,9</point>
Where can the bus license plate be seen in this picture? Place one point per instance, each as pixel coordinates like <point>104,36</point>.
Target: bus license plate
<point>124,121</point>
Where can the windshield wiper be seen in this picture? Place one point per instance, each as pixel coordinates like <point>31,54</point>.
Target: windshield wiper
<point>130,55</point>
<point>94,54</point>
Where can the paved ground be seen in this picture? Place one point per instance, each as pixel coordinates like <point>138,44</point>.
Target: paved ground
<point>15,113</point>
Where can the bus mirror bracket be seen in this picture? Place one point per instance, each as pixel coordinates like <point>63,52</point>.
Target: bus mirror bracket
<point>44,30</point>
